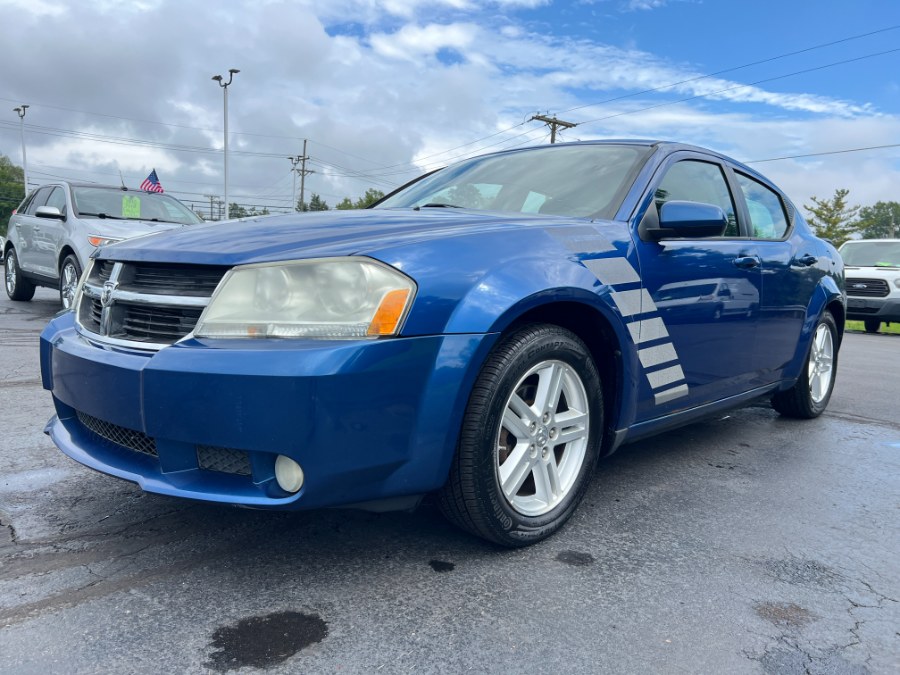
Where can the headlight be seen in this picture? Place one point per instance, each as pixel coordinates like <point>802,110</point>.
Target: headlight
<point>97,240</point>
<point>324,298</point>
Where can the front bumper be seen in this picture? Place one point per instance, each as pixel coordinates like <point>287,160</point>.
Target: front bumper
<point>883,309</point>
<point>206,419</point>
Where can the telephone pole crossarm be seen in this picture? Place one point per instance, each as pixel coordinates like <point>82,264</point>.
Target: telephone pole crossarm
<point>554,124</point>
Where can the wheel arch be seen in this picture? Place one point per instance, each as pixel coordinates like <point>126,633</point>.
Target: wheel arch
<point>65,251</point>
<point>603,342</point>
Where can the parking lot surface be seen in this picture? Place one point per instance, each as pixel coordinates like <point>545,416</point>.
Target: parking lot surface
<point>747,543</point>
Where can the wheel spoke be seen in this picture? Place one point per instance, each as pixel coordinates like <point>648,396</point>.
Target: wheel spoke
<point>515,470</point>
<point>549,388</point>
<point>522,409</point>
<point>546,482</point>
<point>516,425</point>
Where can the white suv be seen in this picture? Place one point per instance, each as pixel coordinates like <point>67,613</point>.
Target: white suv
<point>54,231</point>
<point>872,267</point>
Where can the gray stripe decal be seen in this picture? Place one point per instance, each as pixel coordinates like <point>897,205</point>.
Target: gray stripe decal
<point>633,302</point>
<point>573,231</point>
<point>647,330</point>
<point>671,394</point>
<point>653,356</point>
<point>612,271</point>
<point>665,376</point>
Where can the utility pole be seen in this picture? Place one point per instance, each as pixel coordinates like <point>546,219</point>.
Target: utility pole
<point>21,113</point>
<point>211,198</point>
<point>303,171</point>
<point>553,123</point>
<point>294,162</point>
<point>218,78</point>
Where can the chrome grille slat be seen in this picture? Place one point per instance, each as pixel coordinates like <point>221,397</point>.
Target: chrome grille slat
<point>874,288</point>
<point>148,305</point>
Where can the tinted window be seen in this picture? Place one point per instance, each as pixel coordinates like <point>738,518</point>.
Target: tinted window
<point>767,219</point>
<point>90,202</point>
<point>693,181</point>
<point>40,198</point>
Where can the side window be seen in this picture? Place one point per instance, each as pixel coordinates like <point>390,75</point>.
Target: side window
<point>58,199</point>
<point>766,209</point>
<point>40,198</point>
<point>694,181</point>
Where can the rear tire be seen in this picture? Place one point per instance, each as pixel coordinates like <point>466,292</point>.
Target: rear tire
<point>17,286</point>
<point>530,438</point>
<point>809,396</point>
<point>872,325</point>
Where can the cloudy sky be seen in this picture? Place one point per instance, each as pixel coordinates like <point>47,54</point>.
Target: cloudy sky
<point>386,89</point>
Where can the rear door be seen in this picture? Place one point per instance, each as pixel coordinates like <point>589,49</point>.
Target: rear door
<point>697,329</point>
<point>789,271</point>
<point>28,228</point>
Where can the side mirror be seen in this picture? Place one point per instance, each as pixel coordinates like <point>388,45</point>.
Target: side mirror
<point>689,220</point>
<point>49,212</point>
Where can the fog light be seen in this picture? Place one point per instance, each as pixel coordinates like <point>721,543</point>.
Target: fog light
<point>288,474</point>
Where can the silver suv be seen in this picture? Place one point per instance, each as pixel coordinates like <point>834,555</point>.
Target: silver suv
<point>872,267</point>
<point>54,231</point>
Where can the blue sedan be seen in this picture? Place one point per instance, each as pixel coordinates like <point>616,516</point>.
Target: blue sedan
<point>485,333</point>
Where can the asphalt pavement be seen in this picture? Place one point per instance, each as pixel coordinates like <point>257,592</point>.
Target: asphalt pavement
<point>747,543</point>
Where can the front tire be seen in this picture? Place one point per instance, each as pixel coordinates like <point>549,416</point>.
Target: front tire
<point>530,438</point>
<point>69,274</point>
<point>809,396</point>
<point>17,286</point>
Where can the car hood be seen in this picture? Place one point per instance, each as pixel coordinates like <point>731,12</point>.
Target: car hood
<point>125,229</point>
<point>306,235</point>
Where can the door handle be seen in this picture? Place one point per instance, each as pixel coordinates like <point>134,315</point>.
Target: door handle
<point>807,260</point>
<point>747,262</point>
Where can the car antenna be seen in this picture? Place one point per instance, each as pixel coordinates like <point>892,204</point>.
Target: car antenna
<point>122,178</point>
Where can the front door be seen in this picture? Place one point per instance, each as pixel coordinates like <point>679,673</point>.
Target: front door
<point>697,337</point>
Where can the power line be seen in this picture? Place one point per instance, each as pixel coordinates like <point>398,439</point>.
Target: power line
<point>732,69</point>
<point>822,154</point>
<point>742,86</point>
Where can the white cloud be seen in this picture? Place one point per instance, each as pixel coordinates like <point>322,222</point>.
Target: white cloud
<point>413,42</point>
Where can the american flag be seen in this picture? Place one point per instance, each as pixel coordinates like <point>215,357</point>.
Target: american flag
<point>151,183</point>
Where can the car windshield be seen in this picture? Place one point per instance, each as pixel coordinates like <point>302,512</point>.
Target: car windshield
<point>101,202</point>
<point>871,253</point>
<point>587,181</point>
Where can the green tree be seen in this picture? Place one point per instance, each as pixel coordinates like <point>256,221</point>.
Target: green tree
<point>881,221</point>
<point>12,190</point>
<point>372,195</point>
<point>345,204</point>
<point>316,203</point>
<point>832,218</point>
<point>238,211</point>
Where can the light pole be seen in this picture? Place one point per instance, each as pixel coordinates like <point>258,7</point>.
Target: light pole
<point>21,113</point>
<point>218,78</point>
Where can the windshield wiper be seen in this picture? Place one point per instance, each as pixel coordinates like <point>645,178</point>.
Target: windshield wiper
<point>436,205</point>
<point>100,215</point>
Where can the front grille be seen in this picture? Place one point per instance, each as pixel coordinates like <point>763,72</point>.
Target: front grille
<point>149,304</point>
<point>149,323</point>
<point>174,279</point>
<point>224,460</point>
<point>113,433</point>
<point>868,288</point>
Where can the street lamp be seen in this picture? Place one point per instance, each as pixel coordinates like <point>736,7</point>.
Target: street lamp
<point>21,112</point>
<point>218,78</point>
